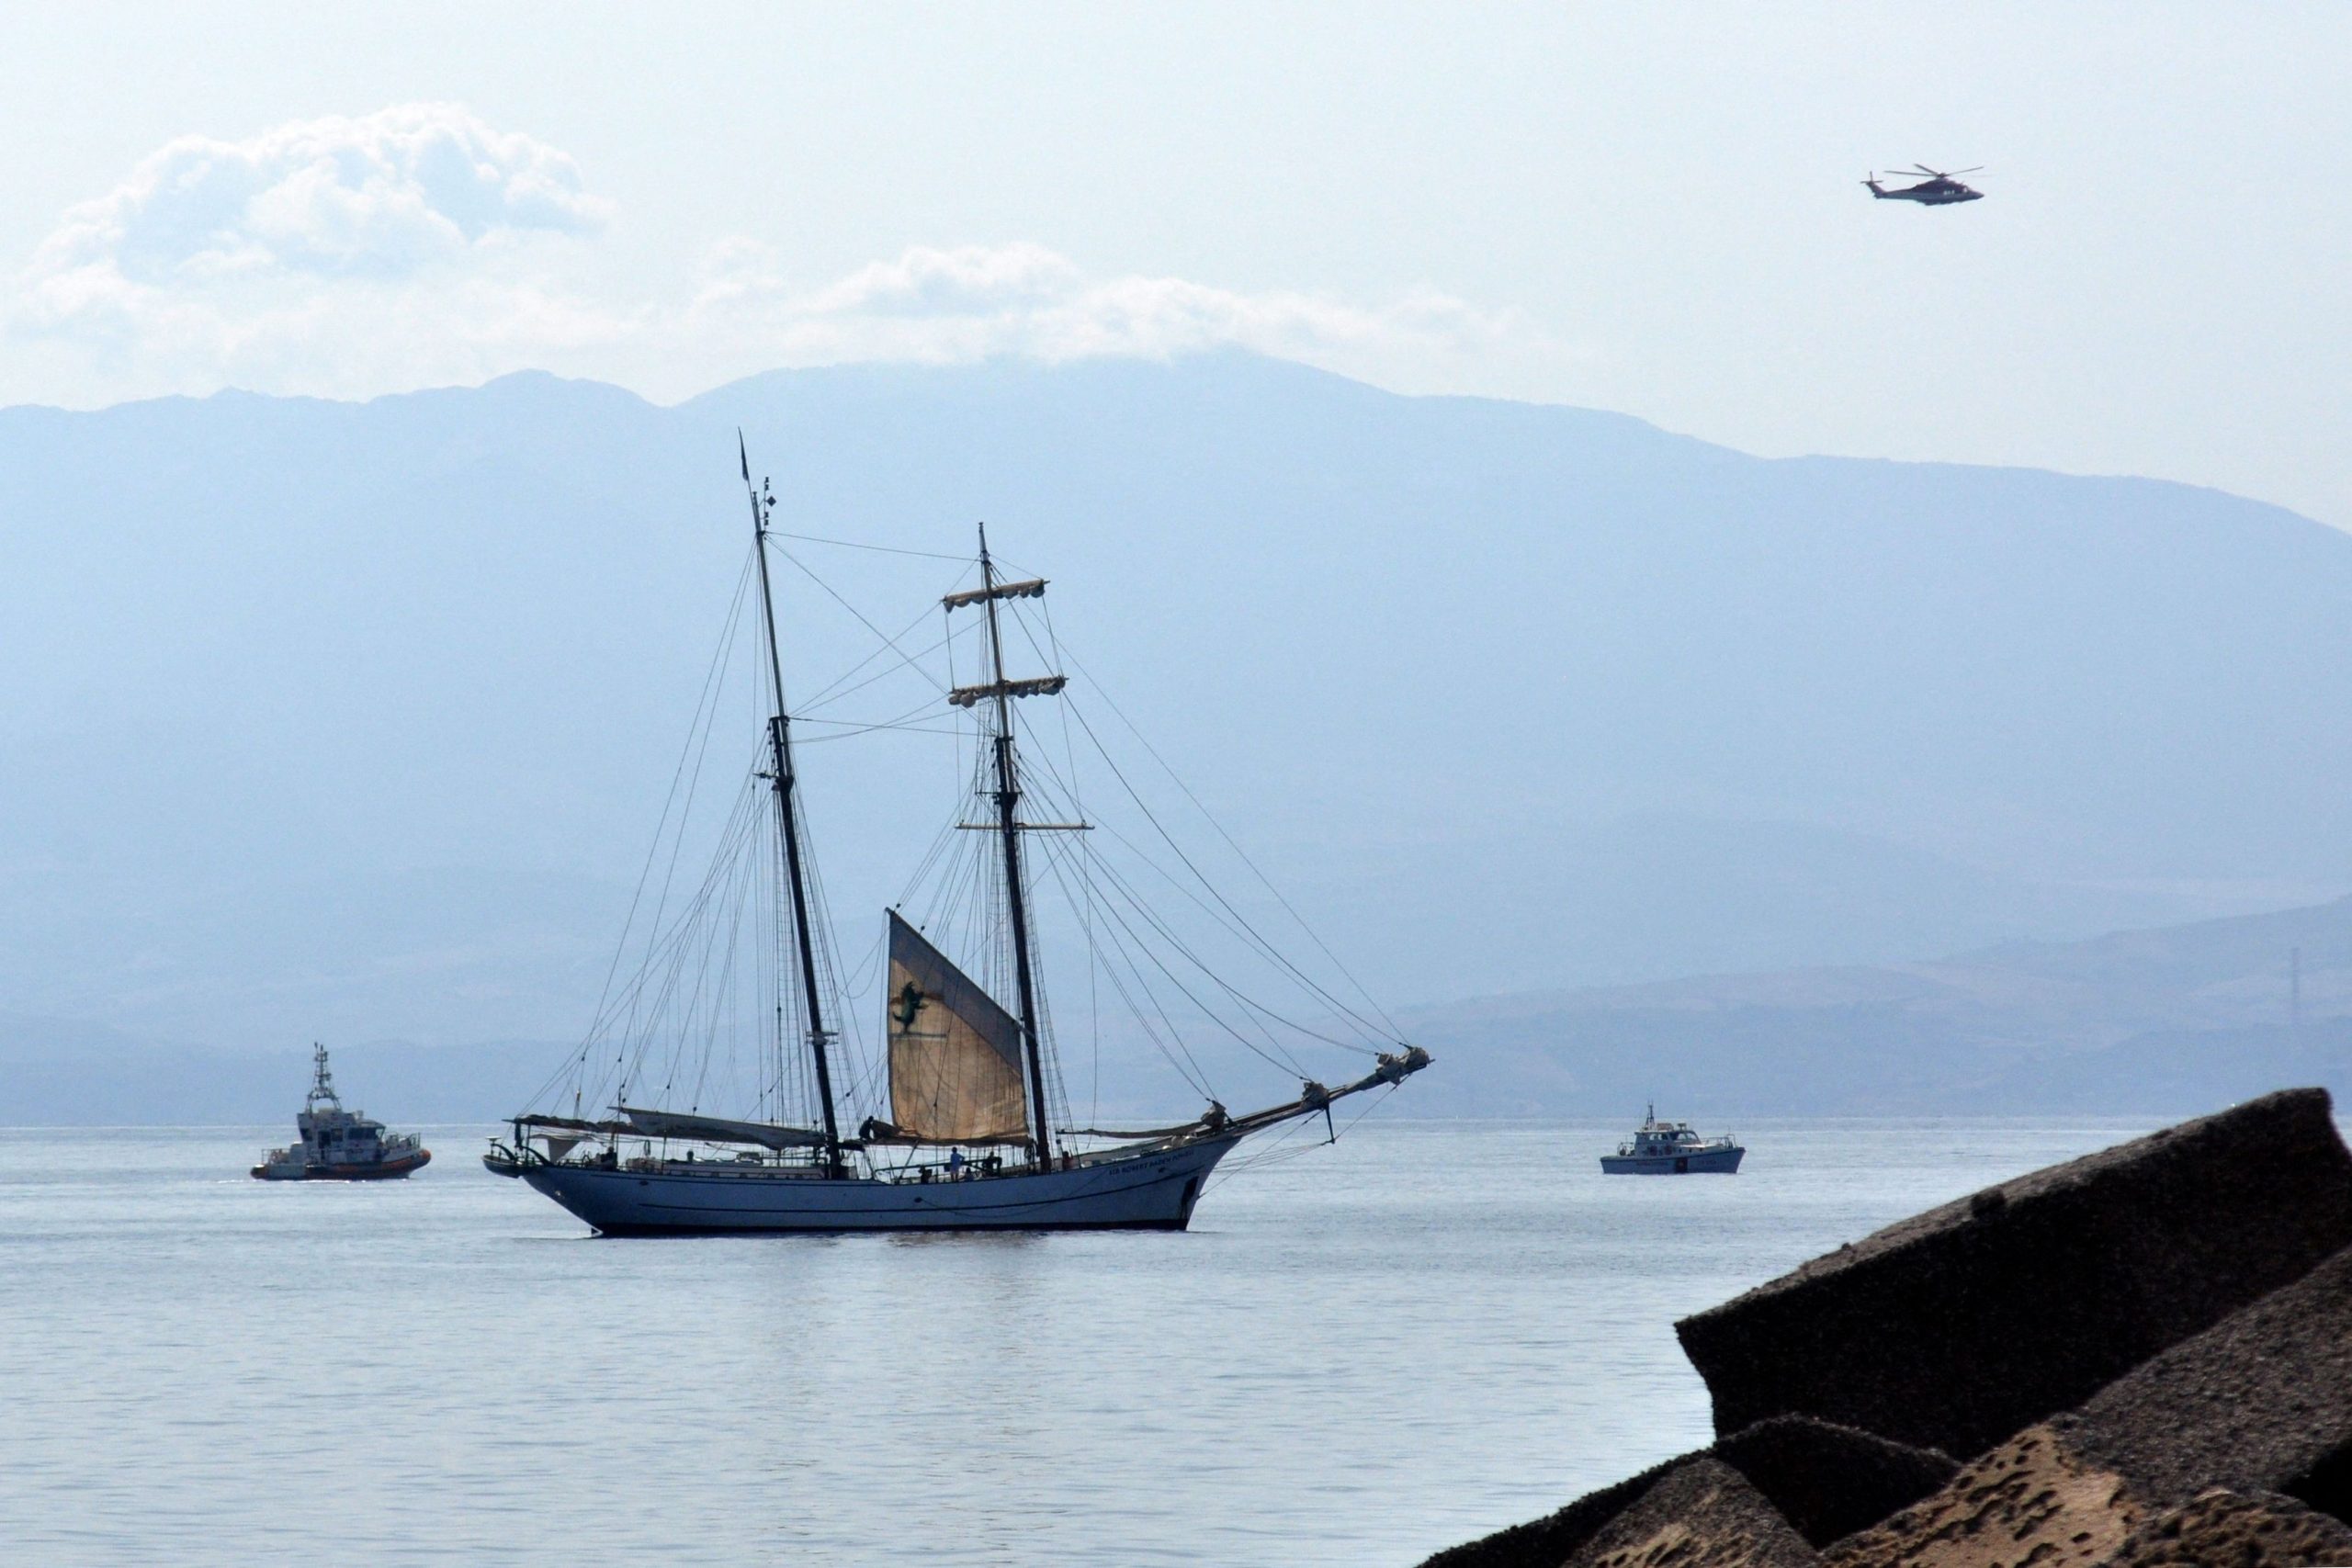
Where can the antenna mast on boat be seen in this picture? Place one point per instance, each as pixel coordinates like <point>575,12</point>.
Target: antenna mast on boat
<point>1008,793</point>
<point>322,1081</point>
<point>780,743</point>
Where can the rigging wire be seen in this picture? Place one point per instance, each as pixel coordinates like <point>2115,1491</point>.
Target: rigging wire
<point>1263,946</point>
<point>879,549</point>
<point>1180,1055</point>
<point>670,956</point>
<point>1107,873</point>
<point>1143,907</point>
<point>1266,948</point>
<point>1390,1032</point>
<point>1199,1006</point>
<point>889,641</point>
<point>837,689</point>
<point>854,728</point>
<point>713,679</point>
<point>678,844</point>
<point>1086,919</point>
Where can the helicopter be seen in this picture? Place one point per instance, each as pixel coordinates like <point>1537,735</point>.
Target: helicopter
<point>1935,189</point>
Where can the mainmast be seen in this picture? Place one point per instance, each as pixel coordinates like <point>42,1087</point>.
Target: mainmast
<point>780,745</point>
<point>1008,794</point>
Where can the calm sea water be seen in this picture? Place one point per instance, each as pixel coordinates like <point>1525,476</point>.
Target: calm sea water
<point>1355,1356</point>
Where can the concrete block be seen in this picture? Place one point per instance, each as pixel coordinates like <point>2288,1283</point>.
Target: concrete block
<point>1956,1328</point>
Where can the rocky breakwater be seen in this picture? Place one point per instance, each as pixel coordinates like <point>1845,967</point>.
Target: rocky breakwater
<point>2141,1356</point>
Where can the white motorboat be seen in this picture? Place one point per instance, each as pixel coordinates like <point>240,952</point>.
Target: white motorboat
<point>1671,1148</point>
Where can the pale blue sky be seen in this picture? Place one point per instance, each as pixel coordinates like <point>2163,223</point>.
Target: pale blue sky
<point>1650,208</point>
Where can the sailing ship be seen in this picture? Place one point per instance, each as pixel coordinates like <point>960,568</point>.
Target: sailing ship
<point>338,1145</point>
<point>970,1139</point>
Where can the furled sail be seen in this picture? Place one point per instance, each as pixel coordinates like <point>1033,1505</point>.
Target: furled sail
<point>1030,588</point>
<point>955,1054</point>
<point>682,1125</point>
<point>571,1125</point>
<point>1034,686</point>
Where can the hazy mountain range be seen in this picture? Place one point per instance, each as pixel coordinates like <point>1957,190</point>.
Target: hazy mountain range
<point>2161,1021</point>
<point>2158,1021</point>
<point>351,720</point>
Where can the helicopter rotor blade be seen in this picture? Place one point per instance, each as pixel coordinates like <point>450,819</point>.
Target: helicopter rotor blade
<point>1978,169</point>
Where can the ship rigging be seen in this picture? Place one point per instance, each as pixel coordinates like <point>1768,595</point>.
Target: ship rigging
<point>969,1125</point>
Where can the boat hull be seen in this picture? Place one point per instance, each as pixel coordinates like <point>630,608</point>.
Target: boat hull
<point>1146,1192</point>
<point>381,1170</point>
<point>1708,1162</point>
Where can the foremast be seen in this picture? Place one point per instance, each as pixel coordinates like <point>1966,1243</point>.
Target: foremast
<point>787,820</point>
<point>999,692</point>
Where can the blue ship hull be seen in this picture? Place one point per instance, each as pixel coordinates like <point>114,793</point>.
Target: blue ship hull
<point>1151,1190</point>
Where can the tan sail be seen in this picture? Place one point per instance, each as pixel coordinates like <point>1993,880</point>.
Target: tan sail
<point>955,1054</point>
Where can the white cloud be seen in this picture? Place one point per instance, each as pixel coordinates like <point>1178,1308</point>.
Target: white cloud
<point>976,301</point>
<point>350,256</point>
<point>927,282</point>
<point>384,194</point>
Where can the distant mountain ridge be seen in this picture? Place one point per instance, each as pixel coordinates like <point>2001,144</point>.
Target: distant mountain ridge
<point>2156,1020</point>
<point>351,720</point>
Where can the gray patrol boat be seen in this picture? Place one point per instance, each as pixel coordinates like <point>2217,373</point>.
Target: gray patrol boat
<point>339,1144</point>
<point>1671,1148</point>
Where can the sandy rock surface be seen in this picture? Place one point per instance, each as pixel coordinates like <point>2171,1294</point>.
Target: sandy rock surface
<point>2229,1530</point>
<point>2032,1500</point>
<point>1702,1515</point>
